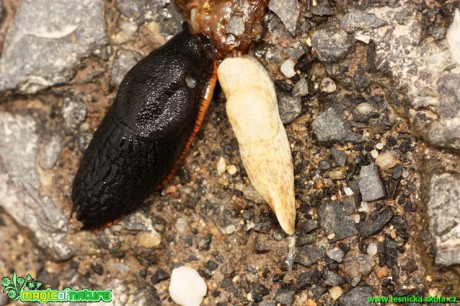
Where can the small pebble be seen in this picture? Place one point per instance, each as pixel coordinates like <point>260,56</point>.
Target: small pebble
<point>374,153</point>
<point>221,166</point>
<point>365,108</point>
<point>301,88</point>
<point>386,161</point>
<point>187,288</point>
<point>230,229</point>
<point>149,239</point>
<point>287,68</point>
<point>232,169</point>
<point>379,146</point>
<point>181,225</point>
<point>327,85</point>
<point>335,292</point>
<point>382,272</point>
<point>348,191</point>
<point>372,249</point>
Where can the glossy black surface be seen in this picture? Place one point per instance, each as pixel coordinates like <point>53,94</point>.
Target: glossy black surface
<point>144,131</point>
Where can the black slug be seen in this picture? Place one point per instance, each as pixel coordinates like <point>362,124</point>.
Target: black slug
<point>158,110</point>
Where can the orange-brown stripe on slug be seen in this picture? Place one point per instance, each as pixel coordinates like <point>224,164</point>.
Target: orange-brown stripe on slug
<point>201,113</point>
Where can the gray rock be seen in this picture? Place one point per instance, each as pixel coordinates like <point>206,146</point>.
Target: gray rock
<point>74,114</point>
<point>235,26</point>
<point>358,20</point>
<point>20,186</point>
<point>124,61</point>
<point>309,254</point>
<point>446,132</point>
<point>370,184</point>
<point>333,220</point>
<point>443,208</point>
<point>289,107</point>
<point>258,292</point>
<point>50,153</point>
<point>47,39</point>
<point>335,254</point>
<point>288,11</point>
<point>330,128</point>
<point>134,9</point>
<point>285,294</point>
<point>308,225</point>
<point>375,223</point>
<point>332,278</point>
<point>324,8</point>
<point>300,88</point>
<point>340,157</point>
<point>331,44</point>
<point>356,296</point>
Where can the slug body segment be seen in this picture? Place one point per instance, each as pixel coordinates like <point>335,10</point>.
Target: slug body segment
<point>158,110</point>
<point>252,109</point>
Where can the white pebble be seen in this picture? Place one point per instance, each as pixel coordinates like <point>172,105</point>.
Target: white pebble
<point>374,153</point>
<point>187,288</point>
<point>348,191</point>
<point>365,108</point>
<point>379,146</point>
<point>327,85</point>
<point>230,229</point>
<point>364,207</point>
<point>335,292</point>
<point>181,225</point>
<point>221,166</point>
<point>287,68</point>
<point>232,169</point>
<point>372,249</point>
<point>386,161</point>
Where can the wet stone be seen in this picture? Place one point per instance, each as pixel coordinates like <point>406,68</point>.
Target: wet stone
<point>39,51</point>
<point>50,153</point>
<point>258,292</point>
<point>340,157</point>
<point>307,279</point>
<point>136,9</point>
<point>289,107</point>
<point>370,184</point>
<point>287,11</point>
<point>375,223</point>
<point>285,294</point>
<point>330,128</point>
<point>124,61</point>
<point>358,20</point>
<point>333,220</point>
<point>331,44</point>
<point>356,296</point>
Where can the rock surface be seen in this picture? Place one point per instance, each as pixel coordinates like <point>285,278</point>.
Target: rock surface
<point>46,41</point>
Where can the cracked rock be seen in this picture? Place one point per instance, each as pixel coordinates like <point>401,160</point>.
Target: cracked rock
<point>46,41</point>
<point>443,208</point>
<point>20,186</point>
<point>287,11</point>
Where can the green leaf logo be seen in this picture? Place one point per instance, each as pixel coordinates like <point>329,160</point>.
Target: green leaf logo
<point>16,285</point>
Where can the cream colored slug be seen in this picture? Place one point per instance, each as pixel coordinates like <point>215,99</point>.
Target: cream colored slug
<point>252,109</point>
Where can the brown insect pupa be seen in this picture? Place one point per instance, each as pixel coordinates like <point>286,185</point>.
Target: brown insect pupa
<point>252,109</point>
